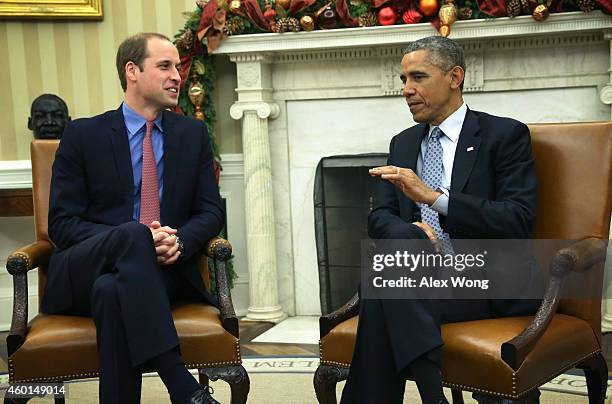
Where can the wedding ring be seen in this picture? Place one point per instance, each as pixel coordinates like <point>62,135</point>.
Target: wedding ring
<point>397,170</point>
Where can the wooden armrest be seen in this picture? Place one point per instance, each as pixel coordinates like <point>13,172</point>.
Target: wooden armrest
<point>329,321</point>
<point>18,264</point>
<point>31,256</point>
<point>220,250</point>
<point>579,257</point>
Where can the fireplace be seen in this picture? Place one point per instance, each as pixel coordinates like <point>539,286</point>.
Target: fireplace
<point>344,194</point>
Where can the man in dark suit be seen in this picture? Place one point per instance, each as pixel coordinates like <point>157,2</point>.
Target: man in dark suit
<point>457,174</point>
<point>133,200</point>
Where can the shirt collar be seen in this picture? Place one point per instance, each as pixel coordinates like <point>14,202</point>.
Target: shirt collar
<point>452,125</point>
<point>134,122</point>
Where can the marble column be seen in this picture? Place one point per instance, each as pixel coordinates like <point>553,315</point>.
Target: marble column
<point>254,107</point>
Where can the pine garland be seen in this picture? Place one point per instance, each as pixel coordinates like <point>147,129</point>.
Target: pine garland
<point>203,65</point>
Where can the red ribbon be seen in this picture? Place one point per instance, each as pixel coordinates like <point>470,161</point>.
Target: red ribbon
<point>345,16</point>
<point>255,15</point>
<point>299,5</point>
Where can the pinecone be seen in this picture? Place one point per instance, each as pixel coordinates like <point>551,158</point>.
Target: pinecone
<point>465,13</point>
<point>185,41</point>
<point>287,24</point>
<point>234,26</point>
<point>293,24</point>
<point>281,25</point>
<point>526,6</point>
<point>586,5</point>
<point>514,8</point>
<point>368,19</point>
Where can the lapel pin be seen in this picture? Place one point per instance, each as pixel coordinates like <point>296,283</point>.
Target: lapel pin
<point>470,148</point>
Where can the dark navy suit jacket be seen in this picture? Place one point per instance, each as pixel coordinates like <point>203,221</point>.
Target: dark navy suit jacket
<point>92,191</point>
<point>493,189</point>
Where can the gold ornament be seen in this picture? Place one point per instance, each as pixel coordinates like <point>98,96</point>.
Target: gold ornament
<point>284,4</point>
<point>540,13</point>
<point>196,96</point>
<point>307,23</point>
<point>448,15</point>
<point>235,7</point>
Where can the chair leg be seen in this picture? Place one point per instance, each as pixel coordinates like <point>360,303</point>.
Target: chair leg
<point>457,396</point>
<point>596,373</point>
<point>325,379</point>
<point>202,378</point>
<point>236,377</point>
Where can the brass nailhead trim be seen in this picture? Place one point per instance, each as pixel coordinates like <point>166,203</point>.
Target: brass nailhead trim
<point>96,374</point>
<point>23,256</point>
<point>472,388</point>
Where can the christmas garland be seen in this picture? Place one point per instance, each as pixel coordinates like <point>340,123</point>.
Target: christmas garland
<point>236,17</point>
<point>197,83</point>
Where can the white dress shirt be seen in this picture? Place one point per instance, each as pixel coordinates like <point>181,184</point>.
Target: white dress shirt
<point>451,127</point>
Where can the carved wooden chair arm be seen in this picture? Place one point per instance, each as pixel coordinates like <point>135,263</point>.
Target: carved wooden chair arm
<point>220,250</point>
<point>329,321</point>
<point>18,264</point>
<point>31,256</point>
<point>579,257</point>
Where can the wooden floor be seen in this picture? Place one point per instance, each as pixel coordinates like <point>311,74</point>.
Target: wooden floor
<point>250,330</point>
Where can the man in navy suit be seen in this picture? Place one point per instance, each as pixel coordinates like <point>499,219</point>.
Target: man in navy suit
<point>485,188</point>
<point>133,201</point>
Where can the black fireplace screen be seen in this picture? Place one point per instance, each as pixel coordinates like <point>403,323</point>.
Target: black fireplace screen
<point>344,194</point>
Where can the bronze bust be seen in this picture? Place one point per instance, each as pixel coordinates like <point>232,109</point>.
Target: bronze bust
<point>48,117</point>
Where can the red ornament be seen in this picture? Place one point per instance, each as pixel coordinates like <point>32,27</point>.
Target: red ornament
<point>387,16</point>
<point>411,16</point>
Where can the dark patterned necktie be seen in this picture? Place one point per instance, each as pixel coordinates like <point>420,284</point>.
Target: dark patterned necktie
<point>432,176</point>
<point>149,189</point>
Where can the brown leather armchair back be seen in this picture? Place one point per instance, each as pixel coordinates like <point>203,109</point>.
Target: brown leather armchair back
<point>42,153</point>
<point>565,191</point>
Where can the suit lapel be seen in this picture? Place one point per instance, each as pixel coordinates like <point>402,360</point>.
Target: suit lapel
<point>467,150</point>
<point>171,156</point>
<point>409,159</point>
<point>121,153</point>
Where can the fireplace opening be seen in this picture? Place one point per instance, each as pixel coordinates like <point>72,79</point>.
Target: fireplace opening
<point>344,194</point>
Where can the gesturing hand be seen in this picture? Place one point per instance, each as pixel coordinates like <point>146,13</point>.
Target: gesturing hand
<point>408,182</point>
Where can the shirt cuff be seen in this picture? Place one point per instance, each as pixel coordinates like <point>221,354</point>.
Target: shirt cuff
<point>441,204</point>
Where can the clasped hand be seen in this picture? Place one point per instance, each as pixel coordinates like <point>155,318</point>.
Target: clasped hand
<point>166,247</point>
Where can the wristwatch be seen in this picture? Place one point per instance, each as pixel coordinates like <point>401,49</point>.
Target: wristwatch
<point>181,246</point>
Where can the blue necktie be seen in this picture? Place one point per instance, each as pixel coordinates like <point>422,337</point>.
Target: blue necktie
<point>432,176</point>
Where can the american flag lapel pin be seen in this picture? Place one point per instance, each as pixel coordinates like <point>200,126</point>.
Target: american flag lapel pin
<point>470,148</point>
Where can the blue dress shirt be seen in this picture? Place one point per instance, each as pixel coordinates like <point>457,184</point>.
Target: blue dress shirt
<point>136,130</point>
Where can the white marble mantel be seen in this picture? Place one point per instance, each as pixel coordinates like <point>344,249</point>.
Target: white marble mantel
<point>303,96</point>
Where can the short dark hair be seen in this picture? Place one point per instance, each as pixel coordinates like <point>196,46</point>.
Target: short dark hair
<point>442,52</point>
<point>134,49</point>
<point>48,97</point>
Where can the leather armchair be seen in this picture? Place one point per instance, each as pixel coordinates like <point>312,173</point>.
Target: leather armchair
<point>509,357</point>
<point>57,348</point>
